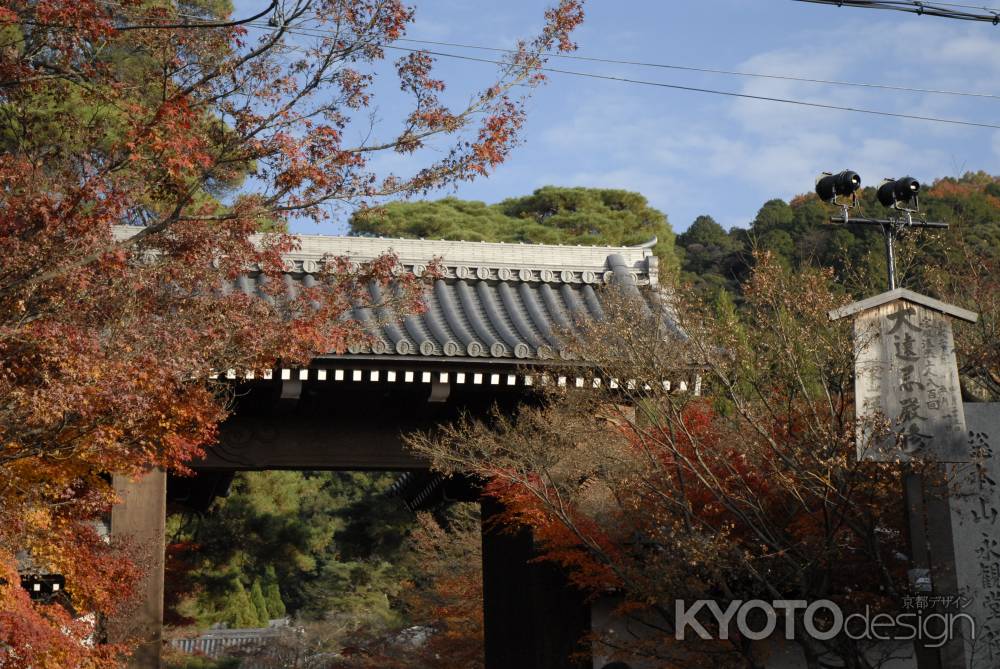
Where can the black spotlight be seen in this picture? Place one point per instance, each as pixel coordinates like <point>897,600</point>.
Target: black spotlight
<point>898,191</point>
<point>829,186</point>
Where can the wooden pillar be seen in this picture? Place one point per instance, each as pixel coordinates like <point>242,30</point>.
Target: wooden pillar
<point>920,558</point>
<point>933,550</point>
<point>140,517</point>
<point>533,617</point>
<point>940,542</point>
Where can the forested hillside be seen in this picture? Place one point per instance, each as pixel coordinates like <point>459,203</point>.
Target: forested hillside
<point>706,254</point>
<point>960,265</point>
<point>799,233</point>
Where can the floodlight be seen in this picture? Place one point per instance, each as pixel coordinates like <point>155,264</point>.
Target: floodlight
<point>829,186</point>
<point>897,193</point>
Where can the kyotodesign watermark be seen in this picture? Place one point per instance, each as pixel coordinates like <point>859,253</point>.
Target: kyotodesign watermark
<point>756,619</point>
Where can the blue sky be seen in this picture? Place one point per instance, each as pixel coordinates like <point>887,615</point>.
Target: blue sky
<point>692,153</point>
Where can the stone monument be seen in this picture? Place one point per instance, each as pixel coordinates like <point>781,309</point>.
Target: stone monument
<point>906,373</point>
<point>975,520</point>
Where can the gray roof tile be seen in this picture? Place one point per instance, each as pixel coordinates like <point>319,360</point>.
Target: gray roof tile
<point>494,301</point>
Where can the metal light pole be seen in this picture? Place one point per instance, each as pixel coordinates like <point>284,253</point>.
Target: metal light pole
<point>900,195</point>
<point>890,228</point>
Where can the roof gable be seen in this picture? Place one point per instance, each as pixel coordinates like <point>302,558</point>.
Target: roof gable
<point>908,296</point>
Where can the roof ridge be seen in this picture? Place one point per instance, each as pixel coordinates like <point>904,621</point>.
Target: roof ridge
<point>906,295</point>
<point>610,248</point>
<point>559,263</point>
<point>126,231</point>
<point>469,259</point>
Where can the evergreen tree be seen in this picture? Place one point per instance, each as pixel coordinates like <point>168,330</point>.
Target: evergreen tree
<point>239,610</point>
<point>448,218</point>
<point>311,542</point>
<point>259,605</point>
<point>774,215</point>
<point>550,215</point>
<point>705,231</point>
<point>272,594</point>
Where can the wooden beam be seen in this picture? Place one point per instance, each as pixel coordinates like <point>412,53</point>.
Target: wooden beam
<point>312,442</point>
<point>141,518</point>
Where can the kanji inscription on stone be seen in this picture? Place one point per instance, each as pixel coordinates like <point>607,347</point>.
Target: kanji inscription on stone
<point>906,374</point>
<point>975,518</point>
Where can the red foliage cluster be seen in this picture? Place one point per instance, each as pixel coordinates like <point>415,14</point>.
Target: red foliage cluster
<point>727,488</point>
<point>107,340</point>
<point>564,540</point>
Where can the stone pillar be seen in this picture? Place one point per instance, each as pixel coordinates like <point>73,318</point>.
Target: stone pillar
<point>533,617</point>
<point>975,517</point>
<point>140,518</point>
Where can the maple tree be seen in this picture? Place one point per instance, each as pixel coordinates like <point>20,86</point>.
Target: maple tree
<point>750,489</point>
<point>446,593</point>
<point>204,139</point>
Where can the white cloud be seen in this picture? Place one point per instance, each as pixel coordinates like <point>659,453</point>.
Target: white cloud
<point>694,153</point>
<point>792,143</point>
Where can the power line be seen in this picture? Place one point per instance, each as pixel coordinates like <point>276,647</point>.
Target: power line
<point>763,98</point>
<point>311,32</point>
<point>948,10</point>
<point>693,89</point>
<point>669,66</point>
<point>708,70</point>
<point>953,4</point>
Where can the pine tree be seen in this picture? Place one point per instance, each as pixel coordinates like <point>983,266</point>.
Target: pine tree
<point>550,215</point>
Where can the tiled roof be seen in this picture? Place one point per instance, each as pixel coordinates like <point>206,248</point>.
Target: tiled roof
<point>494,301</point>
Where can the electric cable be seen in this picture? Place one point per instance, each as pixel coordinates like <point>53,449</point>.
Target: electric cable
<point>310,32</point>
<point>921,7</point>
<point>709,70</point>
<point>694,89</point>
<point>670,66</point>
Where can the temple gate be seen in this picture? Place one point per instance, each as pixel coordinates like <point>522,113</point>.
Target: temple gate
<point>493,319</point>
